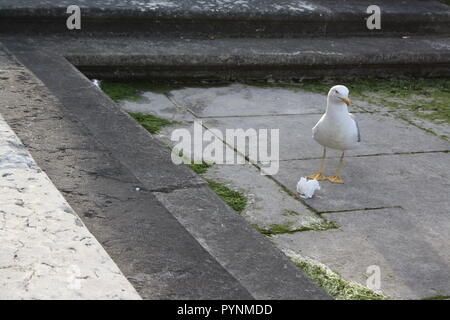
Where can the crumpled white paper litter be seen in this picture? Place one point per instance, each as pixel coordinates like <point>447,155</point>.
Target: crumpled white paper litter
<point>306,187</point>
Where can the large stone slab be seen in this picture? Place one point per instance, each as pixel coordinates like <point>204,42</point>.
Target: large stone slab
<point>245,100</point>
<point>375,181</point>
<point>410,263</point>
<point>380,134</point>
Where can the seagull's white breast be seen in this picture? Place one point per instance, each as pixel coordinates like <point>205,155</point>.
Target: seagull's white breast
<point>336,131</point>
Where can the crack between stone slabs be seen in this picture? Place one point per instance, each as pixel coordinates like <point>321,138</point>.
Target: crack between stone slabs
<point>430,131</point>
<point>169,189</point>
<point>359,209</point>
<point>272,115</point>
<point>166,189</point>
<point>179,106</point>
<point>269,232</point>
<point>370,155</point>
<point>64,149</point>
<point>36,118</point>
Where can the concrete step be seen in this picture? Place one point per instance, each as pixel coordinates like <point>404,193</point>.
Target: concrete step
<point>254,59</point>
<point>257,18</point>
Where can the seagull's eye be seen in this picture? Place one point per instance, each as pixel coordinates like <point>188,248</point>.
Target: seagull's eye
<point>337,92</point>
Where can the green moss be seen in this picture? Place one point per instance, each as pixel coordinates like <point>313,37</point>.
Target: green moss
<point>335,285</point>
<point>446,2</point>
<point>120,91</point>
<point>287,227</point>
<point>427,98</point>
<point>235,199</point>
<point>437,297</point>
<point>150,122</point>
<point>200,168</point>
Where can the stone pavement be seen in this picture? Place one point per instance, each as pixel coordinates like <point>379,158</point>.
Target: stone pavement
<point>392,212</point>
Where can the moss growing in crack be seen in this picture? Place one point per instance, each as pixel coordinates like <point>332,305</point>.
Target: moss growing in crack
<point>235,199</point>
<point>287,227</point>
<point>150,122</point>
<point>200,168</point>
<point>426,98</point>
<point>120,91</point>
<point>437,297</point>
<point>335,285</point>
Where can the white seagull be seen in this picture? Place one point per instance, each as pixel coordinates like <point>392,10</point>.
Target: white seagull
<point>337,129</point>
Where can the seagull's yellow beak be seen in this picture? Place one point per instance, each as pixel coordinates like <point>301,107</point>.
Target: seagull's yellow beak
<point>347,102</point>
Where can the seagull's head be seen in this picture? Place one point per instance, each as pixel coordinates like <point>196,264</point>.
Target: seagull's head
<point>339,94</point>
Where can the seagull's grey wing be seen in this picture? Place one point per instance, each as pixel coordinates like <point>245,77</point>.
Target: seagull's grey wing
<point>357,126</point>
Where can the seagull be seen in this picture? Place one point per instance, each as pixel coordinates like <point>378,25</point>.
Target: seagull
<point>336,129</point>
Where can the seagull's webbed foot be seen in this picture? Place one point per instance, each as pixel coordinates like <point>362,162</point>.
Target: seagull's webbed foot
<point>335,179</point>
<point>318,176</point>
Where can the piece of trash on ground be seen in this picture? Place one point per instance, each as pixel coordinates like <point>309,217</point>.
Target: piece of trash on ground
<point>306,187</point>
<point>97,83</point>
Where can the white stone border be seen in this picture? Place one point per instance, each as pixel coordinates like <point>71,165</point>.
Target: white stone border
<point>46,252</point>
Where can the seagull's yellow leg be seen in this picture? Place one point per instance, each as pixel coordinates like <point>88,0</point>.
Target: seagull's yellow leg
<point>319,175</point>
<point>337,177</point>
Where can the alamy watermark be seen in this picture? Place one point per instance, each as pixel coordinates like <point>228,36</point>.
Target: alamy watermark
<point>261,146</point>
<point>374,20</point>
<point>74,20</point>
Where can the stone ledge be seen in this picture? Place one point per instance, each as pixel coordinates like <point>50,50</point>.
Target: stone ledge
<point>255,18</point>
